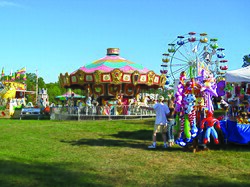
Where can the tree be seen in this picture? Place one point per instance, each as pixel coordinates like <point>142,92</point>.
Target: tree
<point>31,85</point>
<point>53,90</point>
<point>246,60</point>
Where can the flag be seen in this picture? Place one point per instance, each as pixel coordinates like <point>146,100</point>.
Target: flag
<point>17,75</point>
<point>11,73</point>
<point>21,71</point>
<point>2,72</point>
<point>24,77</point>
<point>12,76</point>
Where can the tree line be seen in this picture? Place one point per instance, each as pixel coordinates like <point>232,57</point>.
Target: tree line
<point>53,89</point>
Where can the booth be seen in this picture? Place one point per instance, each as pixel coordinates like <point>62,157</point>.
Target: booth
<point>236,127</point>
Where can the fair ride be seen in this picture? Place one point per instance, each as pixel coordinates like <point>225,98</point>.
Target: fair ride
<point>12,98</point>
<point>14,94</point>
<point>114,82</point>
<point>195,64</point>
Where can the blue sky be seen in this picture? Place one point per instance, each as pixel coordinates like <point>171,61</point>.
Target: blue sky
<point>59,36</point>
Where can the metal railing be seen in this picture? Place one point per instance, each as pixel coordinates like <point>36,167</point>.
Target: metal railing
<point>100,112</point>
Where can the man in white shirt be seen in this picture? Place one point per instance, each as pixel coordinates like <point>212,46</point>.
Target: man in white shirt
<point>160,122</point>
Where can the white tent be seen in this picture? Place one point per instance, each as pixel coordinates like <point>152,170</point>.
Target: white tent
<point>239,75</point>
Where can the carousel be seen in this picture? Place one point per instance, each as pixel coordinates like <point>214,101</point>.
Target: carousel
<point>111,76</point>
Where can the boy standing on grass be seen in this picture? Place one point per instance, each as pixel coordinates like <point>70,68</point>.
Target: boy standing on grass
<point>160,122</point>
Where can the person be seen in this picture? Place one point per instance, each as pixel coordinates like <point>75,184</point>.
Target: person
<point>215,102</point>
<point>171,120</point>
<point>160,122</point>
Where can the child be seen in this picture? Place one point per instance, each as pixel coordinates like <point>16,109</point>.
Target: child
<point>171,123</point>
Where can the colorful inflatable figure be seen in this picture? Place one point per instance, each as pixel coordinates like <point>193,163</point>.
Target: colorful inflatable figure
<point>190,110</point>
<point>209,122</point>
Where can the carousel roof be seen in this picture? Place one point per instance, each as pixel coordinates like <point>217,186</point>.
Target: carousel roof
<point>113,61</point>
<point>112,74</point>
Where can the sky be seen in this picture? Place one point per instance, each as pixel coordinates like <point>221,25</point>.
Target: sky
<point>58,36</point>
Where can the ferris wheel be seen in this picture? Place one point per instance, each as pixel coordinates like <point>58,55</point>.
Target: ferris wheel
<point>191,53</point>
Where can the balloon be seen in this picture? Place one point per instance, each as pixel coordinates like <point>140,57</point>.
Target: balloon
<point>186,127</point>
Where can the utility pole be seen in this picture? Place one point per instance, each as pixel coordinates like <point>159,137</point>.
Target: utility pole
<point>36,88</point>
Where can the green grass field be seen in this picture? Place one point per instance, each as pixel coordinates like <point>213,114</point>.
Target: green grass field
<point>110,153</point>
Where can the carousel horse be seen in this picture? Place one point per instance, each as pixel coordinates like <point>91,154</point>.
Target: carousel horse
<point>94,104</point>
<point>88,104</point>
<point>143,104</point>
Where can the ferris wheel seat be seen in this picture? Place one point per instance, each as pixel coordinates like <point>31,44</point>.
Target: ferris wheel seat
<point>223,61</point>
<point>192,33</point>
<point>223,67</point>
<point>204,40</point>
<point>180,42</point>
<point>165,60</point>
<point>164,71</point>
<point>221,55</point>
<point>214,46</point>
<point>192,39</point>
<point>220,49</point>
<point>213,39</point>
<point>171,50</point>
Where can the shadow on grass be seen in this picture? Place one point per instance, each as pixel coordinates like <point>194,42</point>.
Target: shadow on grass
<point>135,135</point>
<point>120,143</point>
<point>105,142</point>
<point>193,180</point>
<point>139,139</point>
<point>14,173</point>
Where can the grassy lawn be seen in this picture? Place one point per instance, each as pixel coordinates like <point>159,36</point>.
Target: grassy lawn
<point>110,153</point>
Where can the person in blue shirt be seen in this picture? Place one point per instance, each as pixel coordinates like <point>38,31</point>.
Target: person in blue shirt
<point>162,111</point>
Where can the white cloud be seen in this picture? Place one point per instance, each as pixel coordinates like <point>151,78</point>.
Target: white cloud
<point>8,4</point>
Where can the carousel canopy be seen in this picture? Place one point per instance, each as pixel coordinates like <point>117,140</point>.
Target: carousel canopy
<point>112,74</point>
<point>111,62</point>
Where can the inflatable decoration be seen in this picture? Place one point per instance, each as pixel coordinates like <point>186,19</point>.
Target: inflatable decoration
<point>210,90</point>
<point>190,111</point>
<point>209,122</point>
<point>179,97</point>
<point>190,102</point>
<point>187,128</point>
<point>180,141</point>
<point>221,88</point>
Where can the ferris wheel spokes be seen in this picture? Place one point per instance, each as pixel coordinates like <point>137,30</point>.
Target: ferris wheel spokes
<point>192,53</point>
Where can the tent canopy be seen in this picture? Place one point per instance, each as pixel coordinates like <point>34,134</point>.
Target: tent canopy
<point>69,94</point>
<point>239,75</point>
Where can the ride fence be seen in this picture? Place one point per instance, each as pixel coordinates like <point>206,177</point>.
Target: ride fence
<point>101,112</point>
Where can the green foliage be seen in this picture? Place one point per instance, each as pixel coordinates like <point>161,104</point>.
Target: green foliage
<point>54,90</point>
<point>246,60</point>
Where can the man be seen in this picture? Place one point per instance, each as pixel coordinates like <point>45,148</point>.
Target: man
<point>160,122</point>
